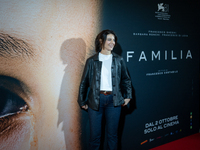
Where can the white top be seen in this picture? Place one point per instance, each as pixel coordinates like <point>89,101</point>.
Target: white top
<point>106,79</point>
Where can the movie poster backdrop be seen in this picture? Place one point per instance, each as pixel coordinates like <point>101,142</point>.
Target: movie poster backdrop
<point>43,49</point>
<point>159,40</point>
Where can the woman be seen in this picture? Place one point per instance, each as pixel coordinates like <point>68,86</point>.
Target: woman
<point>109,85</point>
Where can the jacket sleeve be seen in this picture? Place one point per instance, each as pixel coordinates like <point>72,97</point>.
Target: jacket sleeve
<point>84,85</point>
<point>126,85</point>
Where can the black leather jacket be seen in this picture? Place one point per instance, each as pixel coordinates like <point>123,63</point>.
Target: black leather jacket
<point>121,83</point>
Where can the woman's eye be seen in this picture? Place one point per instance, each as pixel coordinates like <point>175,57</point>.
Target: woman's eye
<point>11,103</point>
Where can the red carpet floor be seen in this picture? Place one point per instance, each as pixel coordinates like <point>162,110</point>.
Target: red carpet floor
<point>191,142</point>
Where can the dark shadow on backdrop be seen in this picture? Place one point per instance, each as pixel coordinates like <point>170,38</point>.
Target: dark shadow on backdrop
<point>126,110</point>
<point>118,49</point>
<point>72,53</point>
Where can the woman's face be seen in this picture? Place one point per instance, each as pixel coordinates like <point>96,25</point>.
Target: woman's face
<point>109,43</point>
<point>43,49</point>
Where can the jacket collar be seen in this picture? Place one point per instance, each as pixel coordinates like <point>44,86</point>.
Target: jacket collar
<point>96,56</point>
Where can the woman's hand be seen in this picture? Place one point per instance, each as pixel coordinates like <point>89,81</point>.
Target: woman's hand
<point>126,101</point>
<point>85,107</point>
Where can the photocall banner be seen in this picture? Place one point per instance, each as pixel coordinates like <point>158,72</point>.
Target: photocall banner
<point>43,49</point>
<point>159,40</point>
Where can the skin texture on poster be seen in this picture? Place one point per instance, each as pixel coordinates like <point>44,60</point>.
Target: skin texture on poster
<point>43,48</point>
